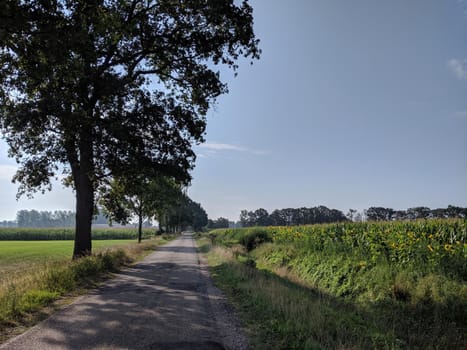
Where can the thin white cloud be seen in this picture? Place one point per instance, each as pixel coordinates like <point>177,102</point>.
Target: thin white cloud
<point>212,148</point>
<point>7,171</point>
<point>458,67</point>
<point>221,147</point>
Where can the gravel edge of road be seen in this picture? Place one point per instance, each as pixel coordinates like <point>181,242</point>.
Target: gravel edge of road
<point>230,328</point>
<point>71,300</point>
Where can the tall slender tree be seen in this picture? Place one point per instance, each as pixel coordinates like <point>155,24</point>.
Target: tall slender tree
<point>111,88</point>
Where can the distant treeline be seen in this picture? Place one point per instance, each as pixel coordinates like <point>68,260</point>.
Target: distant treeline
<point>322,214</point>
<point>259,217</point>
<point>388,214</point>
<point>218,223</point>
<point>57,218</point>
<point>8,223</point>
<point>34,218</point>
<point>291,216</point>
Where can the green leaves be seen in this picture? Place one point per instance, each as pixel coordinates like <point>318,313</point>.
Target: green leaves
<point>112,88</point>
<point>74,70</point>
<point>127,197</point>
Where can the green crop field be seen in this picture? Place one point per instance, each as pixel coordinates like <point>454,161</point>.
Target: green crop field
<point>19,256</point>
<point>375,285</point>
<point>68,233</point>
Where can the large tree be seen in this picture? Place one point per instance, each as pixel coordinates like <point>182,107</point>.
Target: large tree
<point>107,88</point>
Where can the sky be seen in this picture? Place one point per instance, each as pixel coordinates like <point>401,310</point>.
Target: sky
<point>353,104</point>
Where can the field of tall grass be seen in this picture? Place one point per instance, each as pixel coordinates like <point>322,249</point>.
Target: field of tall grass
<point>385,285</point>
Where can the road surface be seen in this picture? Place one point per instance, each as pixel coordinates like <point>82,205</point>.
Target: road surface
<point>165,302</point>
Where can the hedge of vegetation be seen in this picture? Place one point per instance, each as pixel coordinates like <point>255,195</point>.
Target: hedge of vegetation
<point>409,275</point>
<point>428,245</point>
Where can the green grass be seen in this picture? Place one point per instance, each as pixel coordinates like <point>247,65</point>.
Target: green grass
<point>42,273</point>
<point>341,287</point>
<point>280,314</point>
<point>19,256</point>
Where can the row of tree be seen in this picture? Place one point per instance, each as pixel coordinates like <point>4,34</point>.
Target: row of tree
<point>291,216</point>
<point>124,200</point>
<point>8,223</point>
<point>218,223</point>
<point>34,218</point>
<point>57,218</point>
<point>145,198</point>
<point>174,211</point>
<point>322,214</point>
<point>381,214</point>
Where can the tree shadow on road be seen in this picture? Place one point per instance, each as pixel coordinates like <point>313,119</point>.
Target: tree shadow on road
<point>152,305</point>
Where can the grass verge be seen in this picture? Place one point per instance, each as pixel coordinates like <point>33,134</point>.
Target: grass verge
<point>34,294</point>
<point>19,257</point>
<point>284,310</point>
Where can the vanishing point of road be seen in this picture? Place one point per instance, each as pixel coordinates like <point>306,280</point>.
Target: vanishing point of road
<point>167,301</point>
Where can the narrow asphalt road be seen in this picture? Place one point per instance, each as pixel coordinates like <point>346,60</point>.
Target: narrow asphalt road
<point>165,302</point>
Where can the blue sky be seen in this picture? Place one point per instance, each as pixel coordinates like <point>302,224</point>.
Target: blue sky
<point>352,104</point>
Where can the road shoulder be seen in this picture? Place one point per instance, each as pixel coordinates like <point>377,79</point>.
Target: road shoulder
<point>231,330</point>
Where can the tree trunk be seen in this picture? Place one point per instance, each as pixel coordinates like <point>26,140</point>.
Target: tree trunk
<point>140,226</point>
<point>84,201</point>
<point>159,220</point>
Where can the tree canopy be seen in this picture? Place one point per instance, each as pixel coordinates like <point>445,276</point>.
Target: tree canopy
<point>93,89</point>
<point>144,198</point>
<point>182,214</point>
